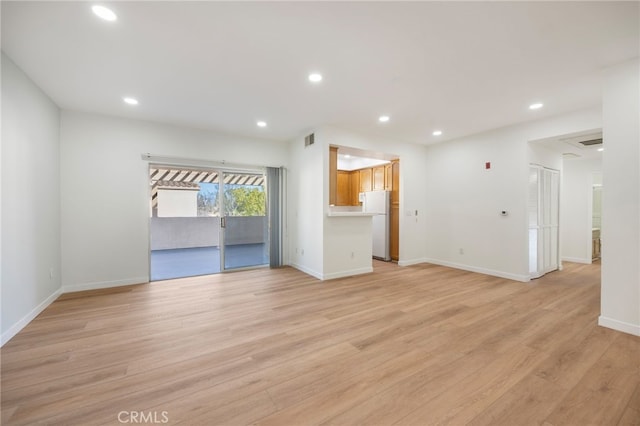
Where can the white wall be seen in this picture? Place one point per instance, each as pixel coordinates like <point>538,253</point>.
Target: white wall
<point>576,208</point>
<point>105,190</point>
<point>621,199</point>
<point>306,204</point>
<point>30,200</point>
<point>465,199</point>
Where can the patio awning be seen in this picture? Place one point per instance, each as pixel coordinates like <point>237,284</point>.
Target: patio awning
<point>180,177</point>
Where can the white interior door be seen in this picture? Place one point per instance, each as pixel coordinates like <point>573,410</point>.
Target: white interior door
<point>544,215</point>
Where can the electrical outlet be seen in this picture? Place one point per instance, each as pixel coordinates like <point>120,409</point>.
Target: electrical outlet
<point>50,273</point>
<point>461,251</point>
<point>353,254</point>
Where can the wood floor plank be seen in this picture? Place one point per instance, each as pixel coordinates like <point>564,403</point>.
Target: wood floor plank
<point>423,345</point>
<point>388,406</point>
<point>529,402</point>
<point>602,396</point>
<point>631,414</point>
<point>470,396</point>
<point>567,364</point>
<point>331,400</point>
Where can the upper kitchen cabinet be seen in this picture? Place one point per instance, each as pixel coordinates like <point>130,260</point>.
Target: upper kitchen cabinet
<point>378,178</point>
<point>365,180</point>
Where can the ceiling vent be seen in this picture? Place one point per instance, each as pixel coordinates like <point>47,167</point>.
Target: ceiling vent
<point>591,142</point>
<point>309,140</point>
<point>585,141</point>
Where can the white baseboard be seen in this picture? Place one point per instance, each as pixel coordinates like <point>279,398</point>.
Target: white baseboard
<point>104,284</point>
<point>333,275</point>
<point>24,321</point>
<point>577,260</point>
<point>348,273</point>
<point>411,262</point>
<point>306,270</point>
<point>614,324</point>
<point>501,274</point>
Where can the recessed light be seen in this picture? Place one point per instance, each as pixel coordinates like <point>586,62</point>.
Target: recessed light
<point>537,105</point>
<point>600,149</point>
<point>437,132</point>
<point>130,101</point>
<point>104,13</point>
<point>261,124</point>
<point>315,77</point>
<point>347,156</point>
<point>383,118</point>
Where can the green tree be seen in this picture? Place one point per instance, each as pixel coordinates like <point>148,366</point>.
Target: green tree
<point>244,201</point>
<point>207,203</point>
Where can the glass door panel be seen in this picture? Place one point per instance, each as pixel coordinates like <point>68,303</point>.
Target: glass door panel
<point>184,223</point>
<point>245,225</point>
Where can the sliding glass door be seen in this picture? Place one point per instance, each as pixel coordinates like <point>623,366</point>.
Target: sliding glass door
<point>206,221</point>
<point>244,222</point>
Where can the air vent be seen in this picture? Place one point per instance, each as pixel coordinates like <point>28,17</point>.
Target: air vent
<point>591,142</point>
<point>309,140</point>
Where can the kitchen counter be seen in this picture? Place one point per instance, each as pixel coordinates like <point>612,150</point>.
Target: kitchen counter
<point>347,211</point>
<point>349,214</point>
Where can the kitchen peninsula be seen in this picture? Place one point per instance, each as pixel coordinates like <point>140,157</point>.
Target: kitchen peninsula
<point>348,236</point>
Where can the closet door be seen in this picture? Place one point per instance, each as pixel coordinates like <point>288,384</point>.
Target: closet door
<point>550,228</point>
<point>544,201</point>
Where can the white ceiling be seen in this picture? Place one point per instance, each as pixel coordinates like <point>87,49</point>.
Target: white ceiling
<point>462,67</point>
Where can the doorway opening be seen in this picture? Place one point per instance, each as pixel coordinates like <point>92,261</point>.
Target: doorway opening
<point>579,157</point>
<point>206,221</point>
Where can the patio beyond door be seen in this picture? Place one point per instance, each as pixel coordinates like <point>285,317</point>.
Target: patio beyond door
<point>206,221</point>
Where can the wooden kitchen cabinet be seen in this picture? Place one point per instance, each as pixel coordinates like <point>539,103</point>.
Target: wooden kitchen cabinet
<point>395,182</point>
<point>343,191</point>
<point>355,188</point>
<point>365,180</point>
<point>394,212</point>
<point>378,178</point>
<point>388,177</point>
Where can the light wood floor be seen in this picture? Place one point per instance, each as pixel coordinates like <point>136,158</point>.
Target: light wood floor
<point>418,345</point>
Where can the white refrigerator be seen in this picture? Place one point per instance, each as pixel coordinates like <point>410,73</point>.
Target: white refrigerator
<point>377,202</point>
